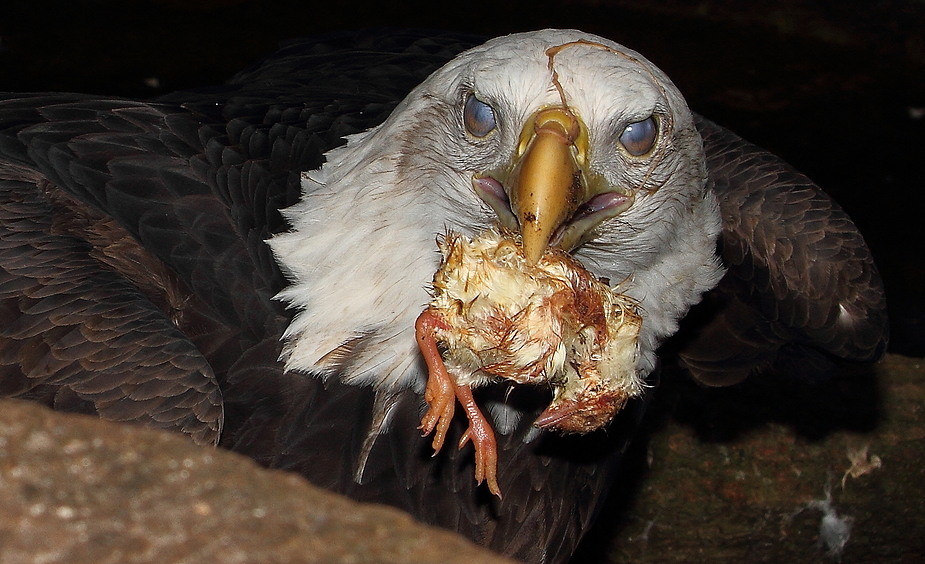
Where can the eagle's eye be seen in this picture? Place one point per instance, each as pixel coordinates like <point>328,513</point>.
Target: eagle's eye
<point>479,117</point>
<point>638,138</point>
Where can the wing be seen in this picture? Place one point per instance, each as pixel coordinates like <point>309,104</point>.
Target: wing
<point>133,237</point>
<point>80,337</point>
<point>801,282</point>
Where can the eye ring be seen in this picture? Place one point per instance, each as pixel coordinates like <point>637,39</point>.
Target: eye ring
<point>638,138</point>
<point>478,117</point>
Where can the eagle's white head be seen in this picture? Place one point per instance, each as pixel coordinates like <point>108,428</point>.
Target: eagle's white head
<point>569,138</point>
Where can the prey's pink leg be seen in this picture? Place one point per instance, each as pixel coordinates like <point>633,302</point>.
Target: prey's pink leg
<point>483,439</point>
<point>439,393</point>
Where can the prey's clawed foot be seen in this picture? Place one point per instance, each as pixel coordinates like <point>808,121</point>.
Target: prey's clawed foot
<point>441,394</point>
<point>483,439</point>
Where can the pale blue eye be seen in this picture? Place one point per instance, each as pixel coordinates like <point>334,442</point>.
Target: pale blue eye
<point>479,117</point>
<point>638,138</point>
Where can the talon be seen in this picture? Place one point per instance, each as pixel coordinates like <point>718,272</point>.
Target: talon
<point>438,393</point>
<point>483,439</point>
<point>441,394</point>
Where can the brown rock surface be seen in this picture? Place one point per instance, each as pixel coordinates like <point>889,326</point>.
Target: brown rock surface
<point>75,489</point>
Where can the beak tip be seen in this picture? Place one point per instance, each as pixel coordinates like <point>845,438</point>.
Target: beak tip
<point>534,250</point>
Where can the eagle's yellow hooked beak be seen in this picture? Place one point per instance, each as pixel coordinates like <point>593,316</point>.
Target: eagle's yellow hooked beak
<point>547,184</point>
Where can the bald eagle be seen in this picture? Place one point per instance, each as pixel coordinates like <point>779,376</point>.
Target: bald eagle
<point>246,263</point>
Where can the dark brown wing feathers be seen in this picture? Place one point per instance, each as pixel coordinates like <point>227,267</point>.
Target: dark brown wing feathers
<point>76,334</point>
<point>800,273</point>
